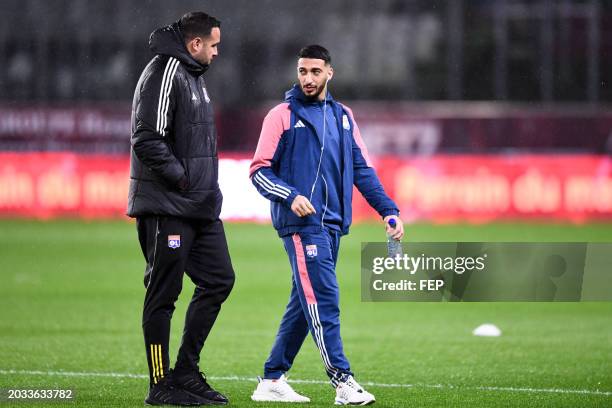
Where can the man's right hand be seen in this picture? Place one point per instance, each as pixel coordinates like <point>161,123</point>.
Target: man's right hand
<point>302,207</point>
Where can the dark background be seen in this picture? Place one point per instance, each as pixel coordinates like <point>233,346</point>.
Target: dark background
<point>537,51</point>
<point>491,76</point>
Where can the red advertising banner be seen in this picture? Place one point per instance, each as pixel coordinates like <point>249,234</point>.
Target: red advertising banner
<point>44,185</point>
<point>471,188</point>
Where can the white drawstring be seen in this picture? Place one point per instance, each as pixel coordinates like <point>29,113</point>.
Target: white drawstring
<point>321,156</point>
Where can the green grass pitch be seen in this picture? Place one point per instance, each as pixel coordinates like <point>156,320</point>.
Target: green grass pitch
<point>71,294</point>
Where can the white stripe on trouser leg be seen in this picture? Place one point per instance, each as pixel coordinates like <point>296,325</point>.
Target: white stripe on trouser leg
<point>318,337</point>
<point>318,333</point>
<point>318,341</point>
<point>318,329</point>
<point>334,370</point>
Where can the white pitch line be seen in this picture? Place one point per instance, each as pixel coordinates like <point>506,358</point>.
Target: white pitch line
<point>298,381</point>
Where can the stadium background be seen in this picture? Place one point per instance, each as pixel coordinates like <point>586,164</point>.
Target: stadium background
<point>487,120</point>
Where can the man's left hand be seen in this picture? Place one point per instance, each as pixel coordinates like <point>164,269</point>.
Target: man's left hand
<point>398,231</point>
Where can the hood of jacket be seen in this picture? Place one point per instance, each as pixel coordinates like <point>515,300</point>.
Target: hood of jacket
<point>169,41</point>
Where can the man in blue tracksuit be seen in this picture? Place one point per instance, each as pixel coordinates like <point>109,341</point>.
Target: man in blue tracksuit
<point>309,156</point>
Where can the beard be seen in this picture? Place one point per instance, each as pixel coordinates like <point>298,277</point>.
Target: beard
<point>314,95</point>
<point>204,61</point>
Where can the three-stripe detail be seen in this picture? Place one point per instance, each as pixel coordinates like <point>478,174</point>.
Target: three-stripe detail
<point>313,310</point>
<point>164,95</point>
<point>157,365</point>
<point>317,329</point>
<point>270,187</point>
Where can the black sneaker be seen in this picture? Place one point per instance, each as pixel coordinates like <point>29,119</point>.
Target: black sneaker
<point>165,392</point>
<point>196,385</point>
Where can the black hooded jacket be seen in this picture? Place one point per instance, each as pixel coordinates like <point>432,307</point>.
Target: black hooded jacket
<point>173,163</point>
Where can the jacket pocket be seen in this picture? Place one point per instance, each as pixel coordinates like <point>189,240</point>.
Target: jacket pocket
<point>185,164</point>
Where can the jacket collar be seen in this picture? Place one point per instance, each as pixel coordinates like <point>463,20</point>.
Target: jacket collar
<point>300,104</point>
<point>295,93</point>
<point>169,41</point>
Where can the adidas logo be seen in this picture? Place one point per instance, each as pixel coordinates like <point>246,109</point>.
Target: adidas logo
<point>299,124</point>
<point>194,97</point>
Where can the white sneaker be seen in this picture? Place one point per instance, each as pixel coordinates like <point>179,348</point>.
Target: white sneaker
<point>349,392</point>
<point>276,390</point>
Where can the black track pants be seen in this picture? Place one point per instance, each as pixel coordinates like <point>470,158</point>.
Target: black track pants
<point>172,246</point>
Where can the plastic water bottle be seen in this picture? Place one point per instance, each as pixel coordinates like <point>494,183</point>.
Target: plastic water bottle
<point>394,246</point>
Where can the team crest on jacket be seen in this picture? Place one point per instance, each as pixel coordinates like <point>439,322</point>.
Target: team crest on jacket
<point>174,241</point>
<point>345,122</point>
<point>311,251</point>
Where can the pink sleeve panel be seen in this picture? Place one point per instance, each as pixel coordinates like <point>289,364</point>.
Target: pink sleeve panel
<point>358,138</point>
<point>275,123</point>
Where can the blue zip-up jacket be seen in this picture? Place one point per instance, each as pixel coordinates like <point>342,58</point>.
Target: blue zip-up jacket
<point>286,160</point>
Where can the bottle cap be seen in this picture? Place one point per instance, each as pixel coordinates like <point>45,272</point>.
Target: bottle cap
<point>392,223</point>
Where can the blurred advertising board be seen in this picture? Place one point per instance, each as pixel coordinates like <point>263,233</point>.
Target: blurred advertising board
<point>472,188</point>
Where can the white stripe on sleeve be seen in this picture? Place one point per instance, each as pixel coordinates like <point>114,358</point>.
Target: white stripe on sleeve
<point>268,188</point>
<point>164,94</point>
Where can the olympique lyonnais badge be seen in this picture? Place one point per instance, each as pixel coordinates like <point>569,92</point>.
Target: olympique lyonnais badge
<point>174,241</point>
<point>311,251</point>
<point>345,122</point>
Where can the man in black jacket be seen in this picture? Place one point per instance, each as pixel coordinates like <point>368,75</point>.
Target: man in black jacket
<point>175,197</point>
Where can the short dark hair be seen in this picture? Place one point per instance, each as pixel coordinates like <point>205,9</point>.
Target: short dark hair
<point>316,52</point>
<point>197,24</point>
